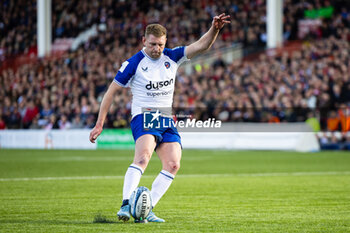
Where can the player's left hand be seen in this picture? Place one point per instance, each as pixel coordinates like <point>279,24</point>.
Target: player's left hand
<point>220,21</point>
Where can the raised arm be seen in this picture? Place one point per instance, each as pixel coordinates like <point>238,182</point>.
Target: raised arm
<point>207,40</point>
<point>105,105</point>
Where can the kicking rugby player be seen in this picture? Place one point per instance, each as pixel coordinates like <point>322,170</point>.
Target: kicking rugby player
<point>150,74</point>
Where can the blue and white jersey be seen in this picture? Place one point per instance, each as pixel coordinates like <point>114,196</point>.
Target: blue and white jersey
<point>152,81</point>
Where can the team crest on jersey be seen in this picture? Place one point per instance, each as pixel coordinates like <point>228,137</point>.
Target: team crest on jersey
<point>167,65</point>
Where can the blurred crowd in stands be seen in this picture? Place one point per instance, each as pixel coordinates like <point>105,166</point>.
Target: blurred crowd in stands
<point>65,92</point>
<point>186,21</point>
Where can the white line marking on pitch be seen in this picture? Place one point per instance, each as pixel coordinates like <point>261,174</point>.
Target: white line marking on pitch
<point>181,176</point>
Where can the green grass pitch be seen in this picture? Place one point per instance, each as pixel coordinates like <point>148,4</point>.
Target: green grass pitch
<point>214,191</point>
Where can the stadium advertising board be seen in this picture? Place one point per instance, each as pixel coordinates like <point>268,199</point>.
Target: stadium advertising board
<point>46,139</point>
<point>115,139</point>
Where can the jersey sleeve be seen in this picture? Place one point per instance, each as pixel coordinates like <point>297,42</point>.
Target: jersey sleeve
<point>176,54</point>
<point>127,71</point>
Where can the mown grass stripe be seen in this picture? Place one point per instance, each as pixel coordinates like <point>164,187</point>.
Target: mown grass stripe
<point>182,176</point>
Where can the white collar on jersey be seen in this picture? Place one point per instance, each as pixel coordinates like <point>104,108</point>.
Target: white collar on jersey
<point>153,59</point>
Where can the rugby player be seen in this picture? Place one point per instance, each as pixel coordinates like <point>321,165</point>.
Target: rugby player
<point>150,74</point>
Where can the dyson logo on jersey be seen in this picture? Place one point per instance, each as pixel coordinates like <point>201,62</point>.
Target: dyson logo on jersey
<point>156,85</point>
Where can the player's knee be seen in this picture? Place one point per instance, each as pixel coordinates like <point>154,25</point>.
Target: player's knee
<point>143,158</point>
<point>142,161</point>
<point>173,166</point>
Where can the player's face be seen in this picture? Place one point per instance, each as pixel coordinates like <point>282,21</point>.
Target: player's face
<point>154,46</point>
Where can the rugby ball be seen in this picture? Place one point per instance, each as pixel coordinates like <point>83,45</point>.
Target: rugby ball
<point>140,203</point>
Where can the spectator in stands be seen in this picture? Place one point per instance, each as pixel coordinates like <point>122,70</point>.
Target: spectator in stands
<point>35,123</point>
<point>344,117</point>
<point>30,113</point>
<point>63,123</point>
<point>2,122</point>
<point>77,124</point>
<point>46,111</point>
<point>313,122</point>
<point>52,124</point>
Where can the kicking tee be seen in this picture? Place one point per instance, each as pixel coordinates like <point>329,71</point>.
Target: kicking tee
<point>151,81</point>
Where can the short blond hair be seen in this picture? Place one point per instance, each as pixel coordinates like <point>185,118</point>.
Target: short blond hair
<point>155,29</point>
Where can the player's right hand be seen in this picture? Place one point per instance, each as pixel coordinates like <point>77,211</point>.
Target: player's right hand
<point>95,132</point>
